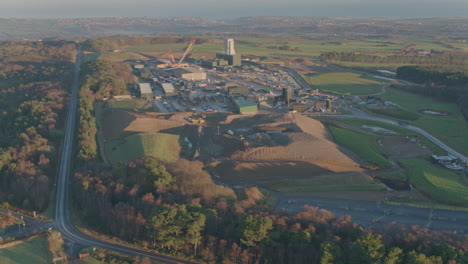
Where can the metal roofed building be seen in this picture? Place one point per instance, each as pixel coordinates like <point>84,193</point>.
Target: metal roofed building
<point>169,89</point>
<point>145,91</point>
<point>245,106</point>
<point>189,74</point>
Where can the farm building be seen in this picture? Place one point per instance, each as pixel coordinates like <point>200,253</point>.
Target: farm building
<point>169,89</point>
<point>245,106</point>
<point>189,74</point>
<point>145,91</point>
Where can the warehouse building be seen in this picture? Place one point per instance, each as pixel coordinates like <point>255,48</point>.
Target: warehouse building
<point>245,106</point>
<point>189,74</point>
<point>210,64</point>
<point>233,60</point>
<point>237,90</point>
<point>145,91</point>
<point>169,89</point>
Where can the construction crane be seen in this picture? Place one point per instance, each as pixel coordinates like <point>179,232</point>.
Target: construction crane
<point>189,48</point>
<point>171,56</point>
<point>174,63</point>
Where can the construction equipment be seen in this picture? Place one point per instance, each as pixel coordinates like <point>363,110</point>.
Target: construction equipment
<point>189,48</point>
<point>171,56</point>
<point>175,64</point>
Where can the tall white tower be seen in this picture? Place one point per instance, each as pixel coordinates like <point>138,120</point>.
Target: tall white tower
<point>229,47</point>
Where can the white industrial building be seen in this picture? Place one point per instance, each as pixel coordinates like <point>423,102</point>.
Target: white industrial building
<point>169,89</point>
<point>145,90</point>
<point>189,74</point>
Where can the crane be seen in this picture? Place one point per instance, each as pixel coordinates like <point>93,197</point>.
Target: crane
<point>171,56</point>
<point>173,62</point>
<point>189,48</point>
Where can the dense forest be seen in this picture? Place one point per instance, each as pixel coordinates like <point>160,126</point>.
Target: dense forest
<point>440,75</point>
<point>432,59</point>
<point>177,209</point>
<point>448,83</point>
<point>34,82</point>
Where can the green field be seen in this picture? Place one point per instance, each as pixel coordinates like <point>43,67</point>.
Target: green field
<point>452,129</point>
<point>358,123</point>
<point>365,146</point>
<point>161,146</point>
<point>438,183</point>
<point>132,105</point>
<point>32,251</point>
<point>328,183</point>
<point>270,47</point>
<point>345,83</point>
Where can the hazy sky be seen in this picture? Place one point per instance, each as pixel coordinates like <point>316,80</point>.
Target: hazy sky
<point>232,8</point>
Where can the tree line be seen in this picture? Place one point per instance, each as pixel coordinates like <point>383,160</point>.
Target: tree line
<point>177,209</point>
<point>100,79</point>
<point>432,59</point>
<point>34,78</point>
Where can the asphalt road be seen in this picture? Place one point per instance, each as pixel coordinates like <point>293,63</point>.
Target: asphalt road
<point>377,214</point>
<point>62,218</point>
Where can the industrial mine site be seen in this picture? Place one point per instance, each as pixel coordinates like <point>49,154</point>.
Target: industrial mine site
<point>271,126</point>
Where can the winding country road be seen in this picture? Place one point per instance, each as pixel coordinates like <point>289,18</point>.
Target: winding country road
<point>62,217</point>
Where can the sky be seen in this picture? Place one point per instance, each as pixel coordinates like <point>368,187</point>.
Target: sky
<point>219,9</point>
